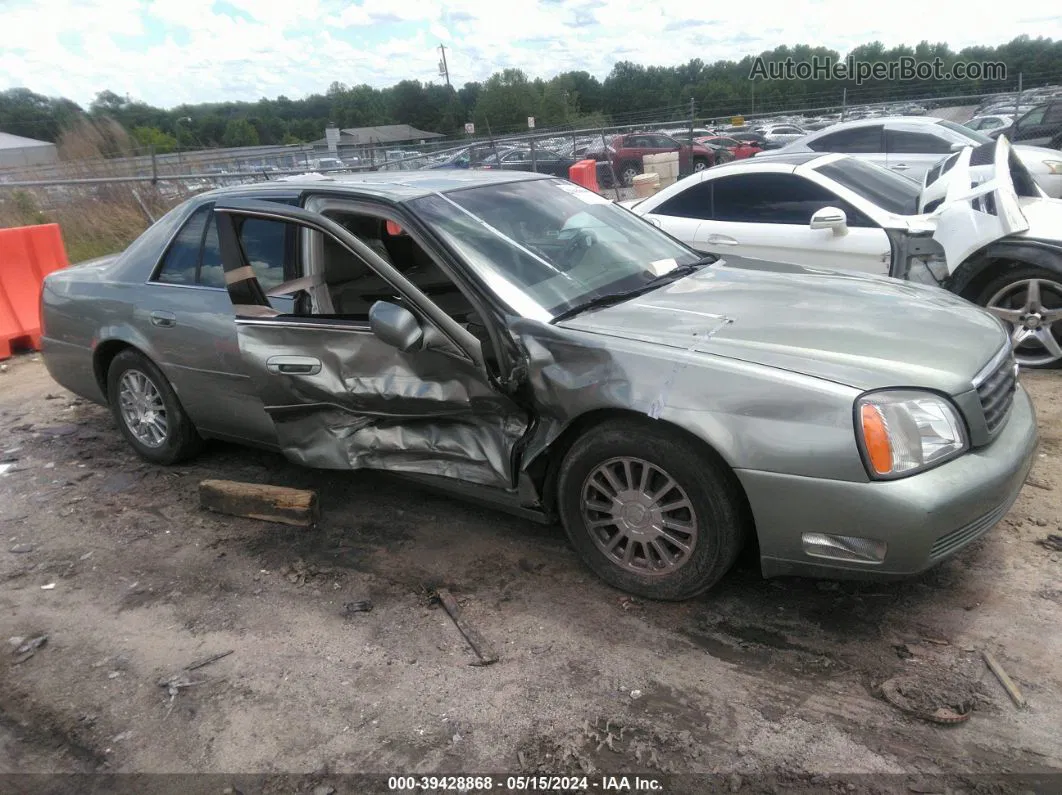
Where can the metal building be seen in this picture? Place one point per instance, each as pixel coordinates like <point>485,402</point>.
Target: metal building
<point>17,152</point>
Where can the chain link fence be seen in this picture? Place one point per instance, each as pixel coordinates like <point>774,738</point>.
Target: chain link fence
<point>104,202</point>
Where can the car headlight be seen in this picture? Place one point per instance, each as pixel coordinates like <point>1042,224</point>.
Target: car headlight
<point>902,432</point>
<point>1053,166</point>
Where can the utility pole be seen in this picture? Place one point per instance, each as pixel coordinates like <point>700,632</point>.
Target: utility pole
<point>444,70</point>
<point>1017,105</point>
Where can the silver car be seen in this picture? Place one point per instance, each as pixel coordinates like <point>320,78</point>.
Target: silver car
<point>516,338</point>
<point>911,145</point>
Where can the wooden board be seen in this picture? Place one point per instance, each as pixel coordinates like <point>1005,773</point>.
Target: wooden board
<point>258,501</point>
<point>484,651</point>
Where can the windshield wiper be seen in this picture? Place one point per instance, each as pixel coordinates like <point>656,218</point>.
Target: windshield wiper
<point>609,299</point>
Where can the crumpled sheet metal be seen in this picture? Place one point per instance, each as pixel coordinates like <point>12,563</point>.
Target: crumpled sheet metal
<point>732,405</point>
<point>372,407</point>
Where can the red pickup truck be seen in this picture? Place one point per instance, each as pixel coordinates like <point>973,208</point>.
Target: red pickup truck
<point>626,151</point>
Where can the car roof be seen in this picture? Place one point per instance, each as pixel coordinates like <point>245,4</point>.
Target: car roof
<point>845,125</point>
<point>788,158</point>
<point>395,186</point>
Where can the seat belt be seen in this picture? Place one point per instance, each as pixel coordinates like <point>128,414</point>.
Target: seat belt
<point>321,299</point>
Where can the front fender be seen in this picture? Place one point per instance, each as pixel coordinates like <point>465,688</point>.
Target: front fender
<point>753,416</point>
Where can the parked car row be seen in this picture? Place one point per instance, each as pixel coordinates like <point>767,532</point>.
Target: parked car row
<point>998,244</point>
<point>911,145</point>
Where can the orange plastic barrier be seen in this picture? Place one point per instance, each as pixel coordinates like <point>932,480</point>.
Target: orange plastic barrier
<point>584,173</point>
<point>27,255</point>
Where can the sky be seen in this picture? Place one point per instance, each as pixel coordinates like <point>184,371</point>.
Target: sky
<point>167,52</point>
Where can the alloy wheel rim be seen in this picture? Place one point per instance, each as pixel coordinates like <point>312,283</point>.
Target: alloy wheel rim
<point>142,407</point>
<point>639,516</point>
<point>1021,305</point>
<point>628,175</point>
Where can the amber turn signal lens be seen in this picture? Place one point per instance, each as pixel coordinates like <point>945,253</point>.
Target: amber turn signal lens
<point>876,439</point>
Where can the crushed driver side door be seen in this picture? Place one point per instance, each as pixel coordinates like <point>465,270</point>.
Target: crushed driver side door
<point>340,397</point>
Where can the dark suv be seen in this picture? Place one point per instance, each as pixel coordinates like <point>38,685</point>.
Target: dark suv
<point>1038,126</point>
<point>626,152</point>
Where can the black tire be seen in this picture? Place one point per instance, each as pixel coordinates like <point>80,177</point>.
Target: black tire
<point>627,172</point>
<point>1031,354</point>
<point>700,164</point>
<point>181,440</point>
<point>712,490</point>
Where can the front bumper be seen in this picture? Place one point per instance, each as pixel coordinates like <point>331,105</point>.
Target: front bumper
<point>923,519</point>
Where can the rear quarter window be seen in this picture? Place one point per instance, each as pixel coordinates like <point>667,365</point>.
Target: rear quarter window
<point>181,259</point>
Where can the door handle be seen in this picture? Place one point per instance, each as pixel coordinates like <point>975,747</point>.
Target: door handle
<point>900,167</point>
<point>721,240</point>
<point>293,365</point>
<point>163,319</point>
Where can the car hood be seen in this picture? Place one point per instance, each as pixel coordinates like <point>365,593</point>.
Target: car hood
<point>863,331</point>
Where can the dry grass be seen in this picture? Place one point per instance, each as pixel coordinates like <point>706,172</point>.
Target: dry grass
<point>95,220</point>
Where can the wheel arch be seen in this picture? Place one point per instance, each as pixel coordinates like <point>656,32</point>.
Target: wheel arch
<point>971,278</point>
<point>544,468</point>
<point>105,353</point>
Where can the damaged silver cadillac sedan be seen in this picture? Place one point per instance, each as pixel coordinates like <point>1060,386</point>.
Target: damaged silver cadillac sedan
<point>519,339</point>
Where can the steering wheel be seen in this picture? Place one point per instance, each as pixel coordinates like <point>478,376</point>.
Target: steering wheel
<point>575,248</point>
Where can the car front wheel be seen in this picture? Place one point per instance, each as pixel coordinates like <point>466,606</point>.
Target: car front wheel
<point>1029,300</point>
<point>649,512</point>
<point>700,165</point>
<point>148,411</point>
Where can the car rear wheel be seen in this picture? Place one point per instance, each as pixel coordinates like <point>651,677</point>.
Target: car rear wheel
<point>700,165</point>
<point>649,512</point>
<point>1029,300</point>
<point>148,412</point>
<point>628,172</point>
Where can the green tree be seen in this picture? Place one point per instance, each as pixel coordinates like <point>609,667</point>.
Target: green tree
<point>22,112</point>
<point>153,136</point>
<point>239,132</point>
<point>505,102</point>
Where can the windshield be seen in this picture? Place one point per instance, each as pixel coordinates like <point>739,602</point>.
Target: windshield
<point>547,246</point>
<point>965,132</point>
<point>886,189</point>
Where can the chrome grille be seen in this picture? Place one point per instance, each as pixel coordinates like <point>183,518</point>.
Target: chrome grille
<point>995,388</point>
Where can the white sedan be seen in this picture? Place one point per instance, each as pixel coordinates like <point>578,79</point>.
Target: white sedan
<point>998,243</point>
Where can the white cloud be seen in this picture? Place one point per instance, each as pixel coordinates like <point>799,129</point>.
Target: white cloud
<point>277,46</point>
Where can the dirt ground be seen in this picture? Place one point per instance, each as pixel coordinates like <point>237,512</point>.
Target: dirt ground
<point>114,561</point>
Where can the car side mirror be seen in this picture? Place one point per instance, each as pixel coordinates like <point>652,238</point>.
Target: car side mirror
<point>958,146</point>
<point>396,326</point>
<point>830,218</point>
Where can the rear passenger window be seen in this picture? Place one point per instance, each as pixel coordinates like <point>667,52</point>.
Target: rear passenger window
<point>182,257</point>
<point>914,143</point>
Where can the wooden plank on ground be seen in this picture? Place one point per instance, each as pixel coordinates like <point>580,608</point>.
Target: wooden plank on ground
<point>260,501</point>
<point>479,645</point>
